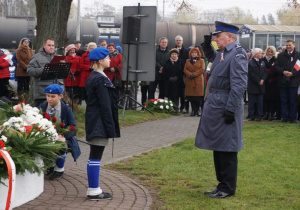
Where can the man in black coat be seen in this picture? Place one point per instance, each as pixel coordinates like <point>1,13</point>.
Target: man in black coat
<point>183,55</point>
<point>162,55</point>
<point>288,81</point>
<point>257,75</point>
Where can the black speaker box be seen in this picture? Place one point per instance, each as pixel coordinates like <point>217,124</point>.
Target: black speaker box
<point>131,30</point>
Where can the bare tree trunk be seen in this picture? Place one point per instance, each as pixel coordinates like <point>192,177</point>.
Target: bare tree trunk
<point>52,18</point>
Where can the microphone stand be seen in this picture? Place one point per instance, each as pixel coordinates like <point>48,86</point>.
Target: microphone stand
<point>72,78</point>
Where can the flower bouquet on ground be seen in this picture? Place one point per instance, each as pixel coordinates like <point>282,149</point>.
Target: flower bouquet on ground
<point>160,105</point>
<point>26,134</point>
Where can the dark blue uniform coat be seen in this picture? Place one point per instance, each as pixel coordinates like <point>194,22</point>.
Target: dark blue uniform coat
<point>101,118</point>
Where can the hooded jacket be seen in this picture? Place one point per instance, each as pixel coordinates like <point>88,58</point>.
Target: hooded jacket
<point>23,55</point>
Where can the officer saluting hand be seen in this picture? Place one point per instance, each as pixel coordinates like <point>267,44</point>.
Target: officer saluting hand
<point>220,127</point>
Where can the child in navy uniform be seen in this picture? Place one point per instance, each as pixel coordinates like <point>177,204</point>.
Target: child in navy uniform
<point>101,119</point>
<point>63,113</point>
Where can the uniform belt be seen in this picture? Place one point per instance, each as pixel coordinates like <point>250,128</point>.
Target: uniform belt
<point>214,90</point>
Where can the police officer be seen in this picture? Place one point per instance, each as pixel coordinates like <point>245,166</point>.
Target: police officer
<point>224,100</point>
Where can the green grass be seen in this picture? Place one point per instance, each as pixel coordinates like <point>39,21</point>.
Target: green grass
<point>131,117</point>
<point>268,171</point>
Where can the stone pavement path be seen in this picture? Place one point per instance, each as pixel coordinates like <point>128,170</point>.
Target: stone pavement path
<point>70,191</point>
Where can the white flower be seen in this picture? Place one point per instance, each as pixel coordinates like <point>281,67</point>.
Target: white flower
<point>3,138</point>
<point>161,100</point>
<point>167,107</point>
<point>162,107</point>
<point>44,124</point>
<point>166,101</point>
<point>155,102</point>
<point>171,105</point>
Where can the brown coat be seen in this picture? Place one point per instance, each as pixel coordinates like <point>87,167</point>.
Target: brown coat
<point>23,57</point>
<point>194,87</point>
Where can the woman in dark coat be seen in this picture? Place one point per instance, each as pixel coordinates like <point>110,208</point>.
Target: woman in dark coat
<point>257,75</point>
<point>23,55</point>
<point>194,80</point>
<point>101,119</point>
<point>173,76</point>
<point>271,97</point>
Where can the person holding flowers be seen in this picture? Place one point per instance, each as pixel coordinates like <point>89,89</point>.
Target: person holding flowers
<point>57,110</point>
<point>101,118</point>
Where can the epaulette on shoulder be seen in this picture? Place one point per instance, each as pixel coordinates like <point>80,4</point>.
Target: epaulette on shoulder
<point>240,55</point>
<point>238,46</point>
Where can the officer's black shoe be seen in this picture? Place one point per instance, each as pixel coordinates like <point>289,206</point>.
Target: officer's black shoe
<point>102,196</point>
<point>220,194</point>
<point>211,192</point>
<point>56,175</point>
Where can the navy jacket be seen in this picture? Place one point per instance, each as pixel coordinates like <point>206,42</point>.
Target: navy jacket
<point>67,116</point>
<point>101,117</point>
<point>68,119</point>
<point>256,73</point>
<point>161,58</point>
<point>285,62</point>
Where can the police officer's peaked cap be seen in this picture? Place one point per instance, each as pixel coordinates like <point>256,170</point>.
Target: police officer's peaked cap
<point>225,27</point>
<point>98,53</point>
<point>77,42</point>
<point>54,89</point>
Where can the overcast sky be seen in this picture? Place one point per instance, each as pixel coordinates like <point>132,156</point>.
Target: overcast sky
<point>256,7</point>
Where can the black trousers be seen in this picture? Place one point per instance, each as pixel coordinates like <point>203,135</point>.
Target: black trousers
<point>96,152</point>
<point>23,85</point>
<point>226,170</point>
<point>4,83</point>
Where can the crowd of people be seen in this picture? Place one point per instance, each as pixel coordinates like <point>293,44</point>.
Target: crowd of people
<point>273,84</point>
<point>271,79</point>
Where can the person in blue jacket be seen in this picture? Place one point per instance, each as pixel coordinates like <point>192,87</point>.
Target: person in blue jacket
<point>63,113</point>
<point>101,118</point>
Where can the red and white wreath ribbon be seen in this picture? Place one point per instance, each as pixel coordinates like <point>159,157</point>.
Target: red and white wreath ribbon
<point>11,177</point>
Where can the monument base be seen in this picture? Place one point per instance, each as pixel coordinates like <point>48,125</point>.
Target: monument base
<point>27,187</point>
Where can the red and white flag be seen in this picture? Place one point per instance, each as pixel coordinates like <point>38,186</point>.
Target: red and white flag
<point>297,65</point>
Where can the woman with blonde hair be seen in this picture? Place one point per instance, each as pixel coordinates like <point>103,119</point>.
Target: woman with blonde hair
<point>271,98</point>
<point>85,70</point>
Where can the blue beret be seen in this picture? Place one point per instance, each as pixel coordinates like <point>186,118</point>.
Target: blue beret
<point>225,27</point>
<point>98,53</point>
<point>54,89</point>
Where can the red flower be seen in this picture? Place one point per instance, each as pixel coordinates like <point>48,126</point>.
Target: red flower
<point>28,129</point>
<point>44,114</point>
<point>47,117</point>
<point>62,125</point>
<point>2,144</point>
<point>72,128</point>
<point>54,119</point>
